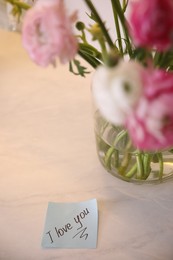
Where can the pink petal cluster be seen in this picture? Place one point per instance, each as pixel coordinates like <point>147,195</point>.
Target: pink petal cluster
<point>47,33</point>
<point>151,124</point>
<point>151,23</point>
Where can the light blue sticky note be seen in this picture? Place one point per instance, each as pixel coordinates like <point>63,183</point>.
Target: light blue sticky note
<point>71,225</point>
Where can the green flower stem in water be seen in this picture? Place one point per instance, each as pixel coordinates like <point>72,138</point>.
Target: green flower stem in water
<point>124,163</point>
<point>140,168</point>
<point>112,150</point>
<point>146,162</point>
<point>131,164</point>
<point>132,171</point>
<point>126,158</point>
<point>160,158</point>
<point>108,157</point>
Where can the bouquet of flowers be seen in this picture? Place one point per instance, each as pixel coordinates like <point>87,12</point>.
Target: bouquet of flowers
<point>133,80</point>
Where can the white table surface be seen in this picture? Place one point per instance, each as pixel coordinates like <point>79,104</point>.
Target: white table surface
<point>47,153</point>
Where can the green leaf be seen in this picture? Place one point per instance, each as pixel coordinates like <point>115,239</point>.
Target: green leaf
<point>81,70</point>
<point>90,50</point>
<point>92,17</point>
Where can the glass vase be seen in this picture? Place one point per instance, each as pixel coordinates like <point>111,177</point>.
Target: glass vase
<point>122,160</point>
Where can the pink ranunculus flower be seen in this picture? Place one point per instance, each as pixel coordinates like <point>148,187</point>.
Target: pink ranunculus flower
<point>151,23</point>
<point>47,33</point>
<point>156,82</point>
<point>151,124</point>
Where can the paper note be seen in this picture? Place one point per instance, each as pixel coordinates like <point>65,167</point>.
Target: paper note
<point>71,225</point>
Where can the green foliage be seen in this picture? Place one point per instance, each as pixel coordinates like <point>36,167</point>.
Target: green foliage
<point>81,70</point>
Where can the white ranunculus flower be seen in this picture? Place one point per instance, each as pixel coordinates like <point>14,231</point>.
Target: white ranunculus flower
<point>103,96</point>
<point>126,84</point>
<point>117,90</point>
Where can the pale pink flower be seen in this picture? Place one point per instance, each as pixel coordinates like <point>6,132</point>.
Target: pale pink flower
<point>47,33</point>
<point>151,124</point>
<point>151,23</point>
<point>117,90</point>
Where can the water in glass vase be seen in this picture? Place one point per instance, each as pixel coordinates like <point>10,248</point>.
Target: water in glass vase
<point>121,159</point>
